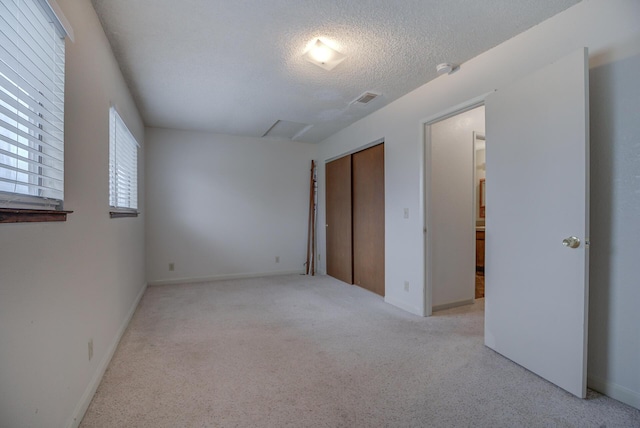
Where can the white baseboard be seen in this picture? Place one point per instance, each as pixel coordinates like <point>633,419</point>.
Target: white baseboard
<point>86,398</point>
<point>189,280</point>
<point>453,305</point>
<point>412,309</point>
<point>617,392</point>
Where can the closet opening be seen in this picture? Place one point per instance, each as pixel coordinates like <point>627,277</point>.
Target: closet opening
<point>355,219</point>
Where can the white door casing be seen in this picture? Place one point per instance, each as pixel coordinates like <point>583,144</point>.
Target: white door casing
<point>537,195</point>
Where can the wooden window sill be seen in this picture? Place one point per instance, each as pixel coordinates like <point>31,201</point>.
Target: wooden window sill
<point>9,215</point>
<point>122,214</point>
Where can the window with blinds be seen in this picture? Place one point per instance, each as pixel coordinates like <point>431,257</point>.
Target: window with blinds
<point>32,55</point>
<point>123,165</point>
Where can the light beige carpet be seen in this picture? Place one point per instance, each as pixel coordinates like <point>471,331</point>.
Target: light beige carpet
<point>299,351</point>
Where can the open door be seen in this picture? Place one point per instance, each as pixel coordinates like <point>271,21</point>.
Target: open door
<point>537,222</point>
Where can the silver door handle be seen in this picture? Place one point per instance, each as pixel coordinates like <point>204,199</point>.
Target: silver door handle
<point>571,242</point>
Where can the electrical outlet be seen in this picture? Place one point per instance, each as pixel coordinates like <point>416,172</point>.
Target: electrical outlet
<point>172,267</point>
<point>90,346</point>
<point>277,259</point>
<point>406,213</point>
<point>406,286</point>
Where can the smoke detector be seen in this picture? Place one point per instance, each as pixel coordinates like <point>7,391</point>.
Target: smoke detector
<point>446,68</point>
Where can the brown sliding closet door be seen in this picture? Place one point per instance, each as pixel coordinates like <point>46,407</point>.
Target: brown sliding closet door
<point>339,244</point>
<point>368,219</point>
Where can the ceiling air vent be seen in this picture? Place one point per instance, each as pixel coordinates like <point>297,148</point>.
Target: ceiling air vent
<point>365,98</point>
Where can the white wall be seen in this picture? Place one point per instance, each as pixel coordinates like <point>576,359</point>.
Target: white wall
<point>451,224</point>
<point>222,206</point>
<point>611,30</point>
<point>64,283</point>
<point>614,339</point>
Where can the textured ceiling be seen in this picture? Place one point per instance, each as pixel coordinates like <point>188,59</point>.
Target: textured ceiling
<point>236,67</point>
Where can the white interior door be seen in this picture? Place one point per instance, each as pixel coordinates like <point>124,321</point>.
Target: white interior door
<point>537,196</point>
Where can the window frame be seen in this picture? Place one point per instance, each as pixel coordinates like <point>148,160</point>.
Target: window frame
<point>30,115</point>
<point>122,139</point>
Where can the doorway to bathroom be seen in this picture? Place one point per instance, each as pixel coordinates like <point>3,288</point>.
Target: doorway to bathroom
<point>455,207</point>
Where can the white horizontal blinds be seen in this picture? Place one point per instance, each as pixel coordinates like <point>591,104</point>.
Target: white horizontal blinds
<point>32,52</point>
<point>123,164</point>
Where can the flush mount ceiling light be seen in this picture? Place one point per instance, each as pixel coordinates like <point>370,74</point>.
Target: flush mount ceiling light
<point>323,56</point>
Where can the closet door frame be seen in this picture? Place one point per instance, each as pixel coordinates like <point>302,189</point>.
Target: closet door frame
<point>348,279</point>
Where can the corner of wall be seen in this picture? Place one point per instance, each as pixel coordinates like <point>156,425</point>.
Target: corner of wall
<point>409,308</point>
<point>615,391</point>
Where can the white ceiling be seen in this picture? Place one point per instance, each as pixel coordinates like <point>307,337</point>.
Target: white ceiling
<point>236,66</point>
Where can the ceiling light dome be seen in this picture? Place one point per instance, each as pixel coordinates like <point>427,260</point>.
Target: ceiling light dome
<point>323,56</point>
<point>321,53</point>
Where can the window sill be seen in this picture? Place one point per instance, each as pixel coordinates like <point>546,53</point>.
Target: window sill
<point>8,215</point>
<point>122,214</point>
